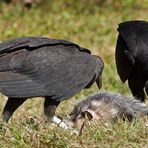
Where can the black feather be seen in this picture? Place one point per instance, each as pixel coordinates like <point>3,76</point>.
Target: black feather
<point>132,55</point>
<point>35,66</point>
<point>31,43</point>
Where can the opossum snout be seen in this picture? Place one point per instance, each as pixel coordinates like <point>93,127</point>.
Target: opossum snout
<point>77,121</point>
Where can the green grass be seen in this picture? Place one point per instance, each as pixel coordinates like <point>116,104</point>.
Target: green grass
<point>90,24</point>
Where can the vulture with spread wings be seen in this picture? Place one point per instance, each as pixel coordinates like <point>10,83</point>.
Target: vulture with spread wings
<point>132,56</point>
<point>43,67</point>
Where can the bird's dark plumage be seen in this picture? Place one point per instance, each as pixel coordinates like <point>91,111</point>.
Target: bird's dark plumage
<point>50,68</point>
<point>132,55</point>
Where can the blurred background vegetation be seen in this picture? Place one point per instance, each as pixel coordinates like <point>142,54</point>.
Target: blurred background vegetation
<point>89,23</point>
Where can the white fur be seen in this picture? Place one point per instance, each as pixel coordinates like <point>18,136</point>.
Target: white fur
<point>96,103</point>
<point>114,112</point>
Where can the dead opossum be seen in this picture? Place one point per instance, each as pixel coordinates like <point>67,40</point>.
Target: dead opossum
<point>106,106</point>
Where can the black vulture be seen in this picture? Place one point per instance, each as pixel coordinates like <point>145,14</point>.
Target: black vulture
<point>132,56</point>
<point>43,67</point>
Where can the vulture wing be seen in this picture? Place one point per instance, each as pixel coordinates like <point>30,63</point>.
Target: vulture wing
<point>124,60</point>
<point>57,70</point>
<point>132,45</point>
<point>31,43</point>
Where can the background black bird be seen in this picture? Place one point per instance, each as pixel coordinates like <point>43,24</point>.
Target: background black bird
<point>132,56</point>
<point>50,68</point>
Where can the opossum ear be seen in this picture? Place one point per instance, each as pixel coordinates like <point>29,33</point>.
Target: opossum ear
<point>90,114</point>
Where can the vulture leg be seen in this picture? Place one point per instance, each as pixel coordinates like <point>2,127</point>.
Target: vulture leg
<point>136,85</point>
<point>50,106</point>
<point>10,107</point>
<point>138,93</point>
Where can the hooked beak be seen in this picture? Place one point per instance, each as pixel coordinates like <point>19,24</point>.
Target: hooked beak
<point>99,82</point>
